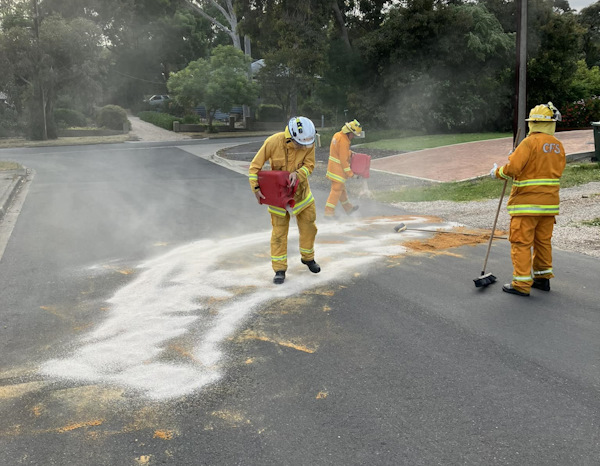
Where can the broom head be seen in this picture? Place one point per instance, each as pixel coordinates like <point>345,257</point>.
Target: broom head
<point>485,280</point>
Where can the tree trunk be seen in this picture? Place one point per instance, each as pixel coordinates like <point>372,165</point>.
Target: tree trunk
<point>247,51</point>
<point>51,130</point>
<point>38,119</point>
<point>37,123</point>
<point>209,116</point>
<point>341,23</point>
<point>293,102</point>
<point>229,12</point>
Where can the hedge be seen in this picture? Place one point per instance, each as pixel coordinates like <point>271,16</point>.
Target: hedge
<point>163,120</point>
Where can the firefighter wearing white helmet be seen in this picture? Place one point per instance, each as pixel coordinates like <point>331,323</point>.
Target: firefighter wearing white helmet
<point>338,168</point>
<point>291,150</point>
<point>535,168</point>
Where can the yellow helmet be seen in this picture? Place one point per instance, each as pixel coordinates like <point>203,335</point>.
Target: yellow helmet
<point>354,128</point>
<point>544,113</point>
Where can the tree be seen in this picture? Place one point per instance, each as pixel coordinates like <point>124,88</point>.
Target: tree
<point>439,68</point>
<point>47,55</point>
<point>219,82</point>
<point>188,86</point>
<point>144,41</point>
<point>589,18</point>
<point>226,10</point>
<point>554,48</point>
<point>276,85</point>
<point>291,35</point>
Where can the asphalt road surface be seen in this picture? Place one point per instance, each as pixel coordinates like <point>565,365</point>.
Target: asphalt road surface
<point>139,325</point>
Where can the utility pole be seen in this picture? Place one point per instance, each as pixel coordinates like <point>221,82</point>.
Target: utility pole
<point>521,72</point>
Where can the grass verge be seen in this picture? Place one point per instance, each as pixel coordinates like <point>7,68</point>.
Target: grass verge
<point>228,134</point>
<point>418,142</point>
<point>6,166</point>
<point>74,141</point>
<point>372,137</point>
<point>483,188</point>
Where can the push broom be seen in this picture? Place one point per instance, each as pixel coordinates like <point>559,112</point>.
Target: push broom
<point>487,278</point>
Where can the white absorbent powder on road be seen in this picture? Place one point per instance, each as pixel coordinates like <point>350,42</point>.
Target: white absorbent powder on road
<point>203,292</point>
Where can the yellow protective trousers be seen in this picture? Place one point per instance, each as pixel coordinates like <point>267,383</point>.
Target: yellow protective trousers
<point>337,194</point>
<point>307,229</point>
<point>527,232</point>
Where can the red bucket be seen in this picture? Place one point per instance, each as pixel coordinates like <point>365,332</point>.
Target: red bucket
<point>275,186</point>
<point>360,165</point>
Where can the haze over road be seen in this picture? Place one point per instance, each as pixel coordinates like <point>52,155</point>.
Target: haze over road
<point>140,325</point>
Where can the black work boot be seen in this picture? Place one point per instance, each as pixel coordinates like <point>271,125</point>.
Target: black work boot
<point>509,289</point>
<point>541,284</point>
<point>279,277</point>
<point>312,265</point>
<point>351,211</point>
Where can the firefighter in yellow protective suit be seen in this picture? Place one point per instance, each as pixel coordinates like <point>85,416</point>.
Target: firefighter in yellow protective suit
<point>338,168</point>
<point>292,150</point>
<point>535,167</point>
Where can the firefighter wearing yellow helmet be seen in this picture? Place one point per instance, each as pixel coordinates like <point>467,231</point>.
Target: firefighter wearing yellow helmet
<point>535,167</point>
<point>338,168</point>
<point>292,150</point>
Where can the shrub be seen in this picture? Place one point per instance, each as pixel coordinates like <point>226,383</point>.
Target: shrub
<point>65,117</point>
<point>112,117</point>
<point>164,120</point>
<point>580,114</point>
<point>190,120</point>
<point>270,113</point>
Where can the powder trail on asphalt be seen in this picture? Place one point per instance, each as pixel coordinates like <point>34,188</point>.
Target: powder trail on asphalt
<point>202,293</point>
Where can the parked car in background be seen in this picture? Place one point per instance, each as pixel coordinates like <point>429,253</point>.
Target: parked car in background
<point>158,99</point>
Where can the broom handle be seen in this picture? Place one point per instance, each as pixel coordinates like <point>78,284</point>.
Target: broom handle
<point>487,254</point>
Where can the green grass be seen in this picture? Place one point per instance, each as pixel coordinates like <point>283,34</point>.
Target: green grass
<point>370,136</point>
<point>592,223</point>
<point>418,142</point>
<point>483,188</point>
<point>4,166</point>
<point>580,173</point>
<point>70,141</point>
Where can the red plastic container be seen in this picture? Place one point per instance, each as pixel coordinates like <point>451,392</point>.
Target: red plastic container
<point>361,164</point>
<point>275,186</point>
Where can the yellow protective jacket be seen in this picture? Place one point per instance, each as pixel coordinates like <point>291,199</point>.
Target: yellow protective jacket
<point>338,168</point>
<point>535,167</point>
<point>283,154</point>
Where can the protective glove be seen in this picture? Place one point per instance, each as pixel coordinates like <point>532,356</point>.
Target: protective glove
<point>493,171</point>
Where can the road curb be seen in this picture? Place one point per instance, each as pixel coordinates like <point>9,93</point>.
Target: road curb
<point>234,165</point>
<point>18,176</point>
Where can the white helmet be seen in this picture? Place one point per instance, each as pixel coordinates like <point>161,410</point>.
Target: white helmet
<point>301,130</point>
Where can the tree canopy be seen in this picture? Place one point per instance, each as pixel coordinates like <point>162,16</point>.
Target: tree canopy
<point>219,82</point>
<point>433,65</point>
